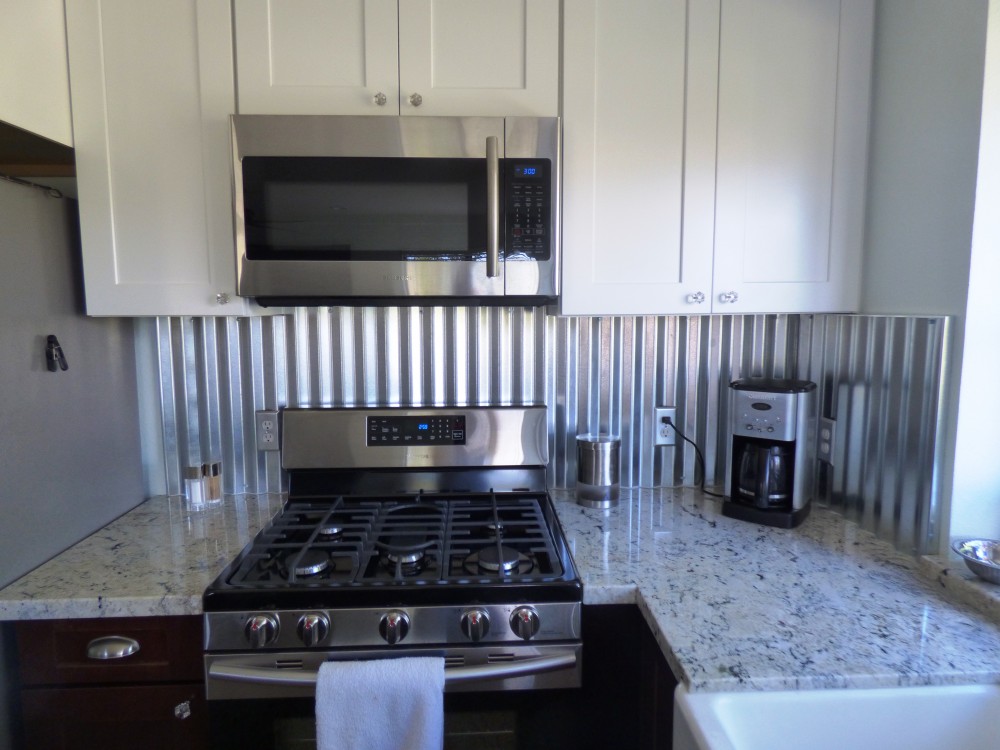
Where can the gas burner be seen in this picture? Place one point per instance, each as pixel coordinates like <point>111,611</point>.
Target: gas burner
<point>404,555</point>
<point>330,533</point>
<point>311,563</point>
<point>409,563</point>
<point>498,559</point>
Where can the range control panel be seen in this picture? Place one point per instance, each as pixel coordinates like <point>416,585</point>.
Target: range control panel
<point>528,208</point>
<point>416,430</point>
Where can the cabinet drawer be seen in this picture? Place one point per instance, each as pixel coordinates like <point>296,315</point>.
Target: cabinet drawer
<point>54,652</point>
<point>146,716</point>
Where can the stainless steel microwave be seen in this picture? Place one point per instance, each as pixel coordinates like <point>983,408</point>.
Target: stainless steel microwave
<point>397,210</point>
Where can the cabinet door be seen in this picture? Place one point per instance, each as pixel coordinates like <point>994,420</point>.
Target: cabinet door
<point>135,716</point>
<point>639,85</point>
<point>152,89</point>
<point>317,57</point>
<point>34,80</point>
<point>794,79</point>
<point>479,57</point>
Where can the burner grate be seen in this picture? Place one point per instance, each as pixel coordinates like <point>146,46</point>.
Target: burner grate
<point>420,539</point>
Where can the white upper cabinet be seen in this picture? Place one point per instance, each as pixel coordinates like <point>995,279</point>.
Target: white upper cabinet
<point>715,155</point>
<point>422,57</point>
<point>639,89</point>
<point>152,91</point>
<point>34,78</point>
<point>317,57</point>
<point>794,82</point>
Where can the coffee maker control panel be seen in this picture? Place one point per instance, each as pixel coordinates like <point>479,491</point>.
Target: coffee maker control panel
<point>770,416</point>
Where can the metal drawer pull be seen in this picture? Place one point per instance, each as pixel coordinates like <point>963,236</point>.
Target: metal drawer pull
<point>112,647</point>
<point>263,675</point>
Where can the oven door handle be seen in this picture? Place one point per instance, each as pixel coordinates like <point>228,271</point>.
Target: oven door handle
<point>298,678</point>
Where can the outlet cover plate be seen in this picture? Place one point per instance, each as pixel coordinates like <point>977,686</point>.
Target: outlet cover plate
<point>664,434</point>
<point>827,440</point>
<point>267,430</point>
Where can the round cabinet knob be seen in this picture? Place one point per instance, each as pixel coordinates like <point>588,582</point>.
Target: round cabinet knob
<point>313,628</point>
<point>222,298</point>
<point>394,626</point>
<point>261,630</point>
<point>416,100</point>
<point>524,622</point>
<point>475,624</point>
<point>729,297</point>
<point>749,426</point>
<point>380,99</point>
<point>697,298</point>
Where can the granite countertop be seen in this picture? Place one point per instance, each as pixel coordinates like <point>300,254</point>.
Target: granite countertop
<point>157,559</point>
<point>734,606</point>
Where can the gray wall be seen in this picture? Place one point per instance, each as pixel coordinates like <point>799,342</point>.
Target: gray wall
<point>69,441</point>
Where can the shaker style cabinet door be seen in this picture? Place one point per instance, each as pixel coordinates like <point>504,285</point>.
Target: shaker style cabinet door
<point>34,81</point>
<point>151,86</point>
<point>794,81</point>
<point>639,94</point>
<point>489,58</point>
<point>317,57</point>
<point>479,57</point>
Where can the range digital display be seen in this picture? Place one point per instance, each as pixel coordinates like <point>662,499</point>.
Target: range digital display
<point>416,430</point>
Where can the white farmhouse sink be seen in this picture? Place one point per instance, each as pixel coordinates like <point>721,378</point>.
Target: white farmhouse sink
<point>917,718</point>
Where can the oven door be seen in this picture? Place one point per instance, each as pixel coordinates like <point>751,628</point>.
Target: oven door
<point>266,700</point>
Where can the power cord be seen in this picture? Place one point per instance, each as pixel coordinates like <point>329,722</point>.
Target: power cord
<point>697,451</point>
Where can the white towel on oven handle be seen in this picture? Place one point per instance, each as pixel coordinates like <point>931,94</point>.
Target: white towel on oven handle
<point>394,703</point>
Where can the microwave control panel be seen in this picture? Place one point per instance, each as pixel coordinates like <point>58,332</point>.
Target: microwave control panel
<point>529,208</point>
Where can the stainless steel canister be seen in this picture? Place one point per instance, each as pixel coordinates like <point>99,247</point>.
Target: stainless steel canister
<point>598,483</point>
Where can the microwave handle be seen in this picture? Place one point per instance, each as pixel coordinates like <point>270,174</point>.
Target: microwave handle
<point>492,208</point>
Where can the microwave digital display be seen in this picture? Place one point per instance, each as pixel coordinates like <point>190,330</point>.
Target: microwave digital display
<point>529,171</point>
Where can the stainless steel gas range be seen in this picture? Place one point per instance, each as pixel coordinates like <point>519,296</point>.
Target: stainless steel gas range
<point>406,532</point>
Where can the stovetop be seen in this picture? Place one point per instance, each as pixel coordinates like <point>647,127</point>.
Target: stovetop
<point>407,507</point>
<point>418,549</point>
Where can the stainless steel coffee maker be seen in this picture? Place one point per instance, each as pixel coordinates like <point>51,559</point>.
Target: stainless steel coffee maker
<point>770,468</point>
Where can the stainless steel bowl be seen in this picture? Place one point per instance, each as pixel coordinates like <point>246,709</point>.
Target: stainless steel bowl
<point>982,556</point>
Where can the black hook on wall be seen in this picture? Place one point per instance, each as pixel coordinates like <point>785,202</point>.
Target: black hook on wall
<point>54,357</point>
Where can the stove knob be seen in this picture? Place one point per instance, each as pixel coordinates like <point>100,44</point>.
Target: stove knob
<point>475,624</point>
<point>261,630</point>
<point>394,626</point>
<point>524,622</point>
<point>313,628</point>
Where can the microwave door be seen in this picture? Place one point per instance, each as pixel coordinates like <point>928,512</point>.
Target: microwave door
<point>411,208</point>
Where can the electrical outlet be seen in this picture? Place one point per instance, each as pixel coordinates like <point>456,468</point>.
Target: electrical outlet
<point>267,431</point>
<point>663,433</point>
<point>827,439</point>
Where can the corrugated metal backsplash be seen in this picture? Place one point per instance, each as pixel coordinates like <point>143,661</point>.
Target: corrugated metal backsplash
<point>595,375</point>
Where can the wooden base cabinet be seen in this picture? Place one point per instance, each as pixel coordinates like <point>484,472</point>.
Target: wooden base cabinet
<point>153,698</point>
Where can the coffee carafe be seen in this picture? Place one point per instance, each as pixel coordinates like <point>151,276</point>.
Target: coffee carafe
<point>771,463</point>
<point>765,475</point>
